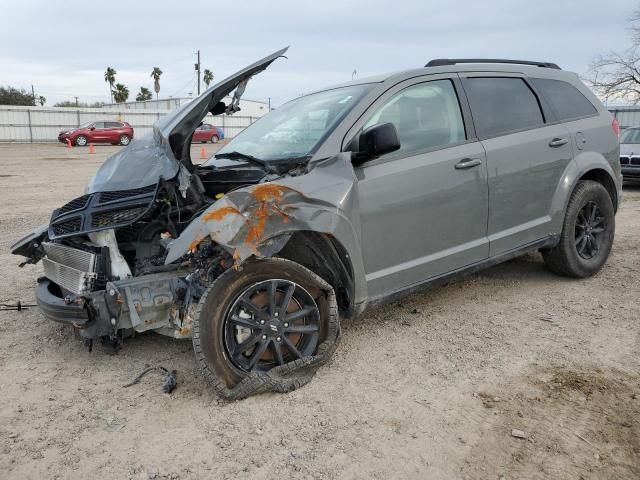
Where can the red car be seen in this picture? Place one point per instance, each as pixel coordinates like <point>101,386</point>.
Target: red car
<point>98,132</point>
<point>207,133</point>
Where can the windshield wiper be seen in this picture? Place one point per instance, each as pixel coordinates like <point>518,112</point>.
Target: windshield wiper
<point>244,156</point>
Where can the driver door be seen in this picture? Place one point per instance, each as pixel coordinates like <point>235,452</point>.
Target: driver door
<point>424,207</point>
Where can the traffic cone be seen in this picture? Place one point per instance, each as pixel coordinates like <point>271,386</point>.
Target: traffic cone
<point>203,154</point>
<point>68,143</point>
<point>91,149</point>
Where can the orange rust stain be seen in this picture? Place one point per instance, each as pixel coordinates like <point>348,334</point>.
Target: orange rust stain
<point>265,192</point>
<point>258,223</point>
<point>220,213</point>
<point>193,245</point>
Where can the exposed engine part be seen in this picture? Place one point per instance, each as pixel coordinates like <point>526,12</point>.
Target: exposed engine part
<point>170,382</point>
<point>107,238</point>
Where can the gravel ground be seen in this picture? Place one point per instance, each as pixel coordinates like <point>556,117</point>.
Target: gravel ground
<point>439,385</point>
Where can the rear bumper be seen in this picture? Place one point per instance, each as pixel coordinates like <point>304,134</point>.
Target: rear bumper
<point>55,308</point>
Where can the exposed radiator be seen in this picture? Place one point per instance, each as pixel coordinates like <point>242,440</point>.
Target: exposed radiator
<point>70,268</point>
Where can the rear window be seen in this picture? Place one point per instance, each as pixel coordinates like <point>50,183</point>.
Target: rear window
<point>566,100</point>
<point>501,105</point>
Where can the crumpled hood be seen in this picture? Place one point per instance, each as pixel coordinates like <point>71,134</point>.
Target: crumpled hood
<point>161,152</point>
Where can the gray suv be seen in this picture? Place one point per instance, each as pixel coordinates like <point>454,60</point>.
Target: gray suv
<point>335,202</point>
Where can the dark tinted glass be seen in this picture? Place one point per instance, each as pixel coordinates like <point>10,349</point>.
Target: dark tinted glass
<point>501,105</point>
<point>565,99</point>
<point>112,124</point>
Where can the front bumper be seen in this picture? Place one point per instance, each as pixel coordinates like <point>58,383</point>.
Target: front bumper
<point>631,173</point>
<point>150,302</point>
<point>55,308</point>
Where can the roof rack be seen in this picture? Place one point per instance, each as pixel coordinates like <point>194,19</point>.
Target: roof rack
<point>452,61</point>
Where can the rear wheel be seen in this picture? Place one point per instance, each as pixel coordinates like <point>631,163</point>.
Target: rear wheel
<point>214,139</point>
<point>124,140</point>
<point>81,141</point>
<point>270,313</point>
<point>587,233</point>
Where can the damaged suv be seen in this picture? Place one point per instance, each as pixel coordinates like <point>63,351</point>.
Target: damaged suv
<point>337,201</point>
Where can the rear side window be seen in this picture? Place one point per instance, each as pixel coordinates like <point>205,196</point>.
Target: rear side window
<point>501,105</point>
<point>113,125</point>
<point>566,100</point>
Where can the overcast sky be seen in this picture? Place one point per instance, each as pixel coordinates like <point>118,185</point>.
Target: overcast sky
<point>63,48</point>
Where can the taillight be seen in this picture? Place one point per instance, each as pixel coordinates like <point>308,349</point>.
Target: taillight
<point>616,126</point>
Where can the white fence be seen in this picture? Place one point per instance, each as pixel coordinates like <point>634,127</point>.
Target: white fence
<point>42,124</point>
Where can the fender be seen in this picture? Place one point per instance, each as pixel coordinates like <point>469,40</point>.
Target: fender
<point>580,166</point>
<point>259,219</point>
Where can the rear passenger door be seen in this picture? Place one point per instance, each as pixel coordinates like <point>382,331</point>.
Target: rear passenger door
<point>112,131</point>
<point>526,157</point>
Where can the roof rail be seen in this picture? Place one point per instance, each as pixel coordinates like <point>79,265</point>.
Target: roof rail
<point>452,61</point>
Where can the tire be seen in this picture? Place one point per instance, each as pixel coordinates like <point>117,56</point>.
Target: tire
<point>81,141</point>
<point>124,140</point>
<point>587,233</point>
<point>214,139</point>
<point>214,321</point>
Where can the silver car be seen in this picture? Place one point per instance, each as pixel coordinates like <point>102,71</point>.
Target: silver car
<point>339,200</point>
<point>630,153</point>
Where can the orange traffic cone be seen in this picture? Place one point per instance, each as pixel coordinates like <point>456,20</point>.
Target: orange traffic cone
<point>203,154</point>
<point>91,149</point>
<point>68,143</point>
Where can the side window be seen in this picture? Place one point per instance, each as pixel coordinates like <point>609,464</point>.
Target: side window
<point>426,116</point>
<point>98,124</point>
<point>112,125</point>
<point>566,100</point>
<point>501,105</point>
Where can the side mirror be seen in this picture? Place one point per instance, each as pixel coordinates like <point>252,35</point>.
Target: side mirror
<point>92,128</point>
<point>376,141</point>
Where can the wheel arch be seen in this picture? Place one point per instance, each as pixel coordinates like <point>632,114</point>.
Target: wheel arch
<point>587,166</point>
<point>323,254</point>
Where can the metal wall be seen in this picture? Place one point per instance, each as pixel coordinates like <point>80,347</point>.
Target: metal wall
<point>42,124</point>
<point>627,116</point>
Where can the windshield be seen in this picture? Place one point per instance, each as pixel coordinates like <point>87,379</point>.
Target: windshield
<point>296,128</point>
<point>631,135</point>
<point>85,125</point>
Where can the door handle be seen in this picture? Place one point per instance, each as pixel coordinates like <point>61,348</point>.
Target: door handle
<point>558,142</point>
<point>468,163</point>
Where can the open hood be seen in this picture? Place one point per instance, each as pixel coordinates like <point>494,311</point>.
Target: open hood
<point>160,153</point>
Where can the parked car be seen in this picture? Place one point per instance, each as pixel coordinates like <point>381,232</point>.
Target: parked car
<point>207,133</point>
<point>340,200</point>
<point>98,132</point>
<point>630,153</point>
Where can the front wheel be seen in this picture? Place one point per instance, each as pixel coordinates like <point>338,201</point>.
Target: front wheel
<point>124,140</point>
<point>587,233</point>
<point>270,313</point>
<point>214,139</point>
<point>81,141</point>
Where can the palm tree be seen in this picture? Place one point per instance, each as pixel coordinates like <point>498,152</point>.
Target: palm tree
<point>155,74</point>
<point>207,77</point>
<point>143,95</point>
<point>110,78</point>
<point>120,93</point>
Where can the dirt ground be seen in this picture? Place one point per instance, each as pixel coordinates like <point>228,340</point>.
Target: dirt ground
<point>429,387</point>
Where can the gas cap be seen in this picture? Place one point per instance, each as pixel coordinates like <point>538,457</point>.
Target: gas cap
<point>580,140</point>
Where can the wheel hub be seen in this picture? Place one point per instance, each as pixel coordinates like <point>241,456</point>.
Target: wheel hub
<point>590,226</point>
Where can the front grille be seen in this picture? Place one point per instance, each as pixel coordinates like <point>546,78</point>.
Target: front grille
<point>68,226</point>
<point>116,217</point>
<point>634,161</point>
<point>75,204</point>
<point>624,160</point>
<point>70,268</point>
<point>106,197</point>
